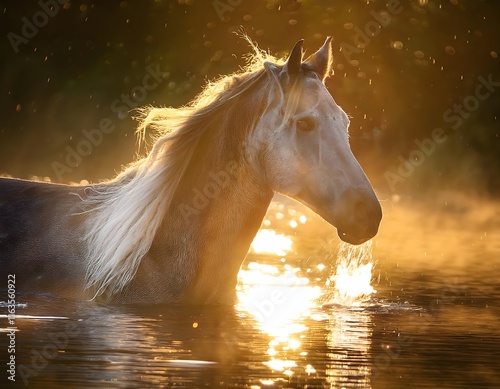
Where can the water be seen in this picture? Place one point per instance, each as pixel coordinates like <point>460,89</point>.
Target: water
<point>352,279</point>
<point>417,307</point>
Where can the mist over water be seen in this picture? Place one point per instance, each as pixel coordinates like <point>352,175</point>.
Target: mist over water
<point>415,306</point>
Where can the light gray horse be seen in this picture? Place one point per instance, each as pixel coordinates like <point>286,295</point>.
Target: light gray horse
<point>175,226</point>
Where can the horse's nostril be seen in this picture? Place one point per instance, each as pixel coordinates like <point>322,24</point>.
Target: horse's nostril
<point>360,208</point>
<point>360,211</point>
<point>359,214</point>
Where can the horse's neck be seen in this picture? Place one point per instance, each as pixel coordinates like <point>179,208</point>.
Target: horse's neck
<point>210,226</point>
<point>227,229</point>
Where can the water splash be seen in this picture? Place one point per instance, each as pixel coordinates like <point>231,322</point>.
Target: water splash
<point>352,280</point>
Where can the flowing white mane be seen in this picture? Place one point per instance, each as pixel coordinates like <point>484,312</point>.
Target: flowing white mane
<point>124,214</point>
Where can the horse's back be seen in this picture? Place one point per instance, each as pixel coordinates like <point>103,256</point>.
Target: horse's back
<point>39,236</point>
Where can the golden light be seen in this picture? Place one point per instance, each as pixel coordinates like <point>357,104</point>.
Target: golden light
<point>279,296</point>
<point>352,280</point>
<point>280,365</point>
<point>293,344</point>
<point>278,299</point>
<point>268,241</point>
<point>350,331</point>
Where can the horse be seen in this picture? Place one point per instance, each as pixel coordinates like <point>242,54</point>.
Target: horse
<point>175,226</point>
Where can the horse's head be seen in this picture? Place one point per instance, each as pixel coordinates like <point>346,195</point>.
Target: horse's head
<point>303,147</point>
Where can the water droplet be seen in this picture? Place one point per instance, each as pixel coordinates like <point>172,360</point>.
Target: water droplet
<point>419,54</point>
<point>398,45</point>
<point>450,50</point>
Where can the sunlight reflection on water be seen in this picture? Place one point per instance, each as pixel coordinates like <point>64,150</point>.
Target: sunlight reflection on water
<point>279,302</point>
<point>279,299</point>
<point>282,301</point>
<point>349,341</point>
<point>268,241</point>
<point>416,331</point>
<point>276,299</point>
<point>352,280</point>
<point>351,327</point>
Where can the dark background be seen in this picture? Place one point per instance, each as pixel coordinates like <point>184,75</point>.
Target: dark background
<point>397,86</point>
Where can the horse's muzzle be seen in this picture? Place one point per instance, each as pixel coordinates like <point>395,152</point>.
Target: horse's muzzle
<point>358,215</point>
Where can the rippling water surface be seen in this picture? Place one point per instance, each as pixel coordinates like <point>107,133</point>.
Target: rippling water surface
<point>416,307</point>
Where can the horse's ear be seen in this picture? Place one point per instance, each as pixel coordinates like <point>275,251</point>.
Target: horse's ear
<point>292,65</point>
<point>321,61</point>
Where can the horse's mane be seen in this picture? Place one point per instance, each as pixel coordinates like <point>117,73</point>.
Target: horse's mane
<point>124,214</point>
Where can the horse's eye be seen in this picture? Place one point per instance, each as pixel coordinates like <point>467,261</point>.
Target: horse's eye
<point>306,124</point>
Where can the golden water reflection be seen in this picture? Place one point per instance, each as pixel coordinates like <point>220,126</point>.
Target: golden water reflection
<point>268,241</point>
<point>280,301</point>
<point>349,341</point>
<point>284,301</point>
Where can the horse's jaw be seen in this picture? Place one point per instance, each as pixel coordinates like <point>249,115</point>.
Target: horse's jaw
<point>355,214</point>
